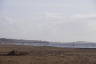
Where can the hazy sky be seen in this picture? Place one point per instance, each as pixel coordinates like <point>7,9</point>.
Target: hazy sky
<point>52,20</point>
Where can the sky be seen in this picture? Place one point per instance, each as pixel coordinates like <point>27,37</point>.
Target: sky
<point>50,20</point>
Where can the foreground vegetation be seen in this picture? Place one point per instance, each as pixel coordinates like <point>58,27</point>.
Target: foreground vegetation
<point>47,55</point>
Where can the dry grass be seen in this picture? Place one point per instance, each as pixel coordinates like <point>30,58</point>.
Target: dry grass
<point>48,55</point>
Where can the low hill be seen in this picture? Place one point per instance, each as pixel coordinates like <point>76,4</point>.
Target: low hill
<point>78,44</point>
<point>4,41</point>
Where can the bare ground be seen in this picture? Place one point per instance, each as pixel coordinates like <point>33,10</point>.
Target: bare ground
<point>47,55</point>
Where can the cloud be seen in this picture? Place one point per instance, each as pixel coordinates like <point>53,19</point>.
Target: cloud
<point>61,17</point>
<point>76,23</point>
<point>89,18</point>
<point>7,20</point>
<point>52,26</point>
<point>84,16</point>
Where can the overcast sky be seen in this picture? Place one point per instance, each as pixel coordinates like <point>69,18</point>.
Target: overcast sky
<point>51,20</point>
